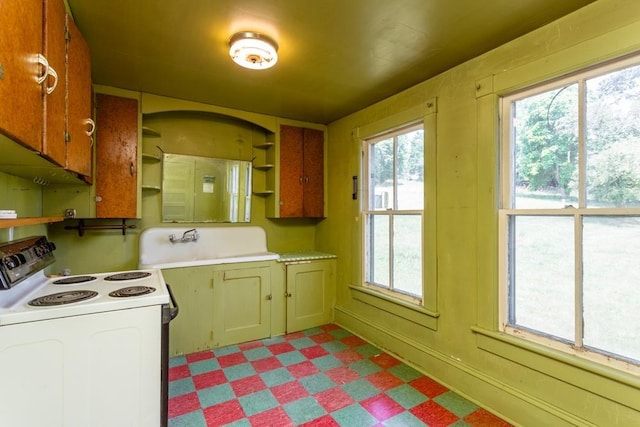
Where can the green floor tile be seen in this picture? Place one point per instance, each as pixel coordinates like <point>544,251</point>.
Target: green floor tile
<point>455,403</point>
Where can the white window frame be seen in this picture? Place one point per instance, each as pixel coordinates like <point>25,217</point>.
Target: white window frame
<point>390,213</point>
<point>506,211</point>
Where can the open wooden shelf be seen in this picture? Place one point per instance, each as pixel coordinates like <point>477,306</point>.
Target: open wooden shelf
<point>19,222</point>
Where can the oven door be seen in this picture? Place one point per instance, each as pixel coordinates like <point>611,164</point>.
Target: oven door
<point>168,314</point>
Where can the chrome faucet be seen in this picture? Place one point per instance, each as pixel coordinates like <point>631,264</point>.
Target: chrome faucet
<point>188,236</point>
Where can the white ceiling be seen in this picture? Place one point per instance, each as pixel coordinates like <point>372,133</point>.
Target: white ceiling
<point>335,56</point>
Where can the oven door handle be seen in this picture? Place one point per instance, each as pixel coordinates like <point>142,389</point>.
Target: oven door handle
<point>175,309</point>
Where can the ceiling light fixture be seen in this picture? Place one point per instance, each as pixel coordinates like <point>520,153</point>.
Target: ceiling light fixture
<point>253,50</point>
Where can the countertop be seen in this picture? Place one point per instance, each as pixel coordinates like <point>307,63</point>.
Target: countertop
<point>304,256</point>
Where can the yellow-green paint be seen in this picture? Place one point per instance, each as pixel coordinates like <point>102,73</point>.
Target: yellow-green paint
<point>526,384</point>
<point>310,294</point>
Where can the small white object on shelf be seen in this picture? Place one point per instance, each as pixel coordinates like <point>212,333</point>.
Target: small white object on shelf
<point>8,214</point>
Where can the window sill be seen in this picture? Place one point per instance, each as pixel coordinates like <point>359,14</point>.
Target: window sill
<point>397,306</point>
<point>574,370</point>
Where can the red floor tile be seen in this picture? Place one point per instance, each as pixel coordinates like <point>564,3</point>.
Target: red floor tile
<point>384,380</point>
<point>348,356</point>
<point>303,369</point>
<point>209,379</point>
<point>266,364</point>
<point>385,361</point>
<point>325,421</point>
<point>281,347</point>
<point>179,372</point>
<point>484,418</point>
<point>294,336</point>
<point>184,404</point>
<point>201,355</point>
<point>353,341</point>
<point>428,387</point>
<point>334,399</point>
<point>223,413</point>
<point>289,392</point>
<point>322,338</point>
<point>313,352</point>
<point>250,345</point>
<point>342,375</point>
<point>276,417</point>
<point>382,407</point>
<point>232,359</point>
<point>433,414</point>
<point>329,327</point>
<point>248,385</point>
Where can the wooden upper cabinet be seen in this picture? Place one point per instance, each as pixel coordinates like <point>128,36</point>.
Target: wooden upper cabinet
<point>20,44</point>
<point>79,123</point>
<point>313,166</point>
<point>301,172</point>
<point>53,146</point>
<point>291,172</point>
<point>116,157</point>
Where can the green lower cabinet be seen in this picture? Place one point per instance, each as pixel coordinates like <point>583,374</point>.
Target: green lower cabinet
<point>310,294</point>
<point>241,305</point>
<point>192,329</point>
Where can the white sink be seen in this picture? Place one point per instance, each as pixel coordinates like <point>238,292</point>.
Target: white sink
<point>215,245</point>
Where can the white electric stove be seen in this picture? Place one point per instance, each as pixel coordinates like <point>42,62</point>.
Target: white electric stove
<point>83,350</point>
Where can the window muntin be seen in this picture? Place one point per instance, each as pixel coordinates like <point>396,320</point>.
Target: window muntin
<point>393,211</point>
<point>570,214</point>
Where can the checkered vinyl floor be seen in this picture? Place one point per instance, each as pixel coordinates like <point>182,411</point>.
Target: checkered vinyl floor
<point>319,377</point>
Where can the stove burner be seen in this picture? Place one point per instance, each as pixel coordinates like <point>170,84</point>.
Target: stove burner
<point>128,275</point>
<point>132,291</point>
<point>61,298</point>
<point>73,280</point>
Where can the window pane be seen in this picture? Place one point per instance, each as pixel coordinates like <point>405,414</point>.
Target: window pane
<point>545,128</point>
<point>381,175</point>
<point>542,286</point>
<point>613,139</point>
<point>407,254</point>
<point>410,170</point>
<point>378,246</point>
<point>611,290</point>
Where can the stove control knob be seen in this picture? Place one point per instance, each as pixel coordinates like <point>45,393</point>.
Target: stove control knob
<point>13,261</point>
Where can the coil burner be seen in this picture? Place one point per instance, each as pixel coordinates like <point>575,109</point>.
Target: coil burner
<point>73,280</point>
<point>132,291</point>
<point>128,275</point>
<point>62,298</point>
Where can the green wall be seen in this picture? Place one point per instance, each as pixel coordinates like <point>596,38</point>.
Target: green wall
<point>25,197</point>
<point>459,344</point>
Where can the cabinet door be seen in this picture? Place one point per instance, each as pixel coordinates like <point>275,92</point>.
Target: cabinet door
<point>79,108</point>
<point>53,145</point>
<point>310,295</point>
<point>21,42</point>
<point>242,305</point>
<point>116,156</point>
<point>313,166</point>
<point>291,172</point>
<point>192,329</point>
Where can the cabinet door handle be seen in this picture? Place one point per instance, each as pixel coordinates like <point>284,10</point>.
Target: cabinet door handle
<point>51,72</point>
<point>287,294</point>
<point>306,179</point>
<point>268,297</point>
<point>300,179</point>
<point>91,131</point>
<point>92,126</point>
<point>132,169</point>
<point>40,59</point>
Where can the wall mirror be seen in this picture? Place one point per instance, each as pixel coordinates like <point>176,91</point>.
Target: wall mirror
<point>205,189</point>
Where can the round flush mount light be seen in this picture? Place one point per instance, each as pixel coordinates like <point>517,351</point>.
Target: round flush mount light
<point>253,50</point>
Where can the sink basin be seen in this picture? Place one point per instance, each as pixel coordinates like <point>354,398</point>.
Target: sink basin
<point>215,245</point>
